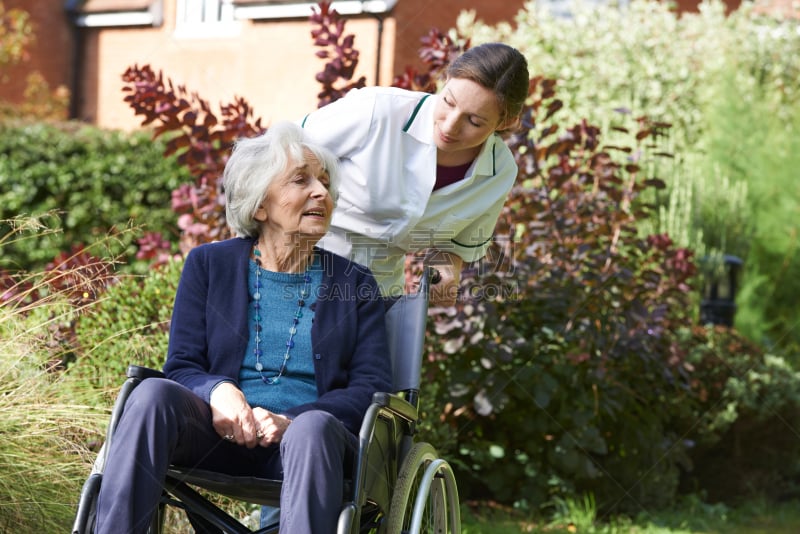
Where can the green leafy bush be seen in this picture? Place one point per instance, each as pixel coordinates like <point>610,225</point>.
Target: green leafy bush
<point>83,182</point>
<point>573,365</point>
<point>744,424</point>
<point>561,364</point>
<point>129,324</point>
<point>714,76</point>
<point>765,161</point>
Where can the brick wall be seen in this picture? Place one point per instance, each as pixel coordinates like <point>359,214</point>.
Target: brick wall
<point>415,18</point>
<point>51,54</point>
<point>272,64</point>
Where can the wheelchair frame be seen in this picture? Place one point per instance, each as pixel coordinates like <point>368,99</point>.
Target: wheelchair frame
<point>398,485</point>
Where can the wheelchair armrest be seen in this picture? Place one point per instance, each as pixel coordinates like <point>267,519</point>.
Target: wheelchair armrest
<point>137,371</point>
<point>135,374</point>
<point>396,404</point>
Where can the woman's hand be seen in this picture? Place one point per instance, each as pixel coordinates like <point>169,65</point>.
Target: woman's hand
<point>271,426</point>
<point>449,266</point>
<point>232,417</point>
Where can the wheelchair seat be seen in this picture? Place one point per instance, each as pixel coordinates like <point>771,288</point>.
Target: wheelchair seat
<point>242,488</point>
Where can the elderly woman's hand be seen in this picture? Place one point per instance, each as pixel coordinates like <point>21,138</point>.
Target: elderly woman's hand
<point>232,417</point>
<point>271,426</point>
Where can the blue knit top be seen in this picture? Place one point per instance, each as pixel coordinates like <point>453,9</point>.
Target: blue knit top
<point>280,293</point>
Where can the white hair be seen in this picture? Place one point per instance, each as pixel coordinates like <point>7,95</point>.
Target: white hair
<point>256,161</point>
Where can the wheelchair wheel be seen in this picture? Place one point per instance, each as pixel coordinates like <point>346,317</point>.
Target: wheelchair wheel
<point>425,497</point>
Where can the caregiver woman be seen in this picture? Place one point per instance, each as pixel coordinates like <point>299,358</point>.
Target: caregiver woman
<point>422,171</point>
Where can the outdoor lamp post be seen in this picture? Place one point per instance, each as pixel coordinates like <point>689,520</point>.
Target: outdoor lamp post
<point>718,305</point>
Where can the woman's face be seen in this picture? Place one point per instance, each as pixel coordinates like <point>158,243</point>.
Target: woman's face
<point>466,114</point>
<point>298,202</point>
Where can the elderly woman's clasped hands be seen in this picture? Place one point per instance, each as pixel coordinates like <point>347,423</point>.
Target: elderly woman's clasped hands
<point>234,419</point>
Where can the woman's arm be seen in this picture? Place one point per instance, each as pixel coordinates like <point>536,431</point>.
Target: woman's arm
<point>208,326</point>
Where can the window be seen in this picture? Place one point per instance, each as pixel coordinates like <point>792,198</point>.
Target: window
<point>119,13</point>
<point>205,19</point>
<point>289,9</point>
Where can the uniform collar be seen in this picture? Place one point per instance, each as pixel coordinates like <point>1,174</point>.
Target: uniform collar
<point>420,126</point>
<point>420,123</point>
<point>485,166</point>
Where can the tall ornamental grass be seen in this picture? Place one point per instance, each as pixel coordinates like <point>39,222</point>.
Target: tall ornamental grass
<point>46,423</point>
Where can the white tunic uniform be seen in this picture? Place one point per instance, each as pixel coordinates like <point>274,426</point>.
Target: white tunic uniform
<point>383,137</point>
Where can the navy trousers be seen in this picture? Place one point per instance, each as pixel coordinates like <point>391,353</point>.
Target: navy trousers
<point>165,423</point>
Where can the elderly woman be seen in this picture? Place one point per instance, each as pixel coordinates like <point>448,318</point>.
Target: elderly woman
<point>275,350</point>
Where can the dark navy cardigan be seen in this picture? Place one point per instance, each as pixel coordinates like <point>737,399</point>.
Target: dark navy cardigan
<point>209,330</point>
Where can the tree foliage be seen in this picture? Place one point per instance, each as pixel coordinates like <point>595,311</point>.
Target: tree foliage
<point>337,48</point>
<point>198,138</point>
<point>714,74</point>
<point>16,36</point>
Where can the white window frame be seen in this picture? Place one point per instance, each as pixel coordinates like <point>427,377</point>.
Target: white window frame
<point>205,19</point>
<point>303,9</point>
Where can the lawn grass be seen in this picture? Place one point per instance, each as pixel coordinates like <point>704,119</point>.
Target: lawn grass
<point>691,516</point>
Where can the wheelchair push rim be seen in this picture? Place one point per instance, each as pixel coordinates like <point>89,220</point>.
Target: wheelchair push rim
<point>425,498</point>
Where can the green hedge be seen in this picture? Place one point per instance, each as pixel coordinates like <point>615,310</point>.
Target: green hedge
<point>83,182</point>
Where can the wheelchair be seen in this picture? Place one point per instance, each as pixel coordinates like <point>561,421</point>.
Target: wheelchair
<point>398,484</point>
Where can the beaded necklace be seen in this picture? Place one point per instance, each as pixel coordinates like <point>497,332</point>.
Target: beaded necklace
<point>301,302</point>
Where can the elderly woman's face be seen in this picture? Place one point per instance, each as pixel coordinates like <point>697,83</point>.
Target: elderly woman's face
<point>298,203</point>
